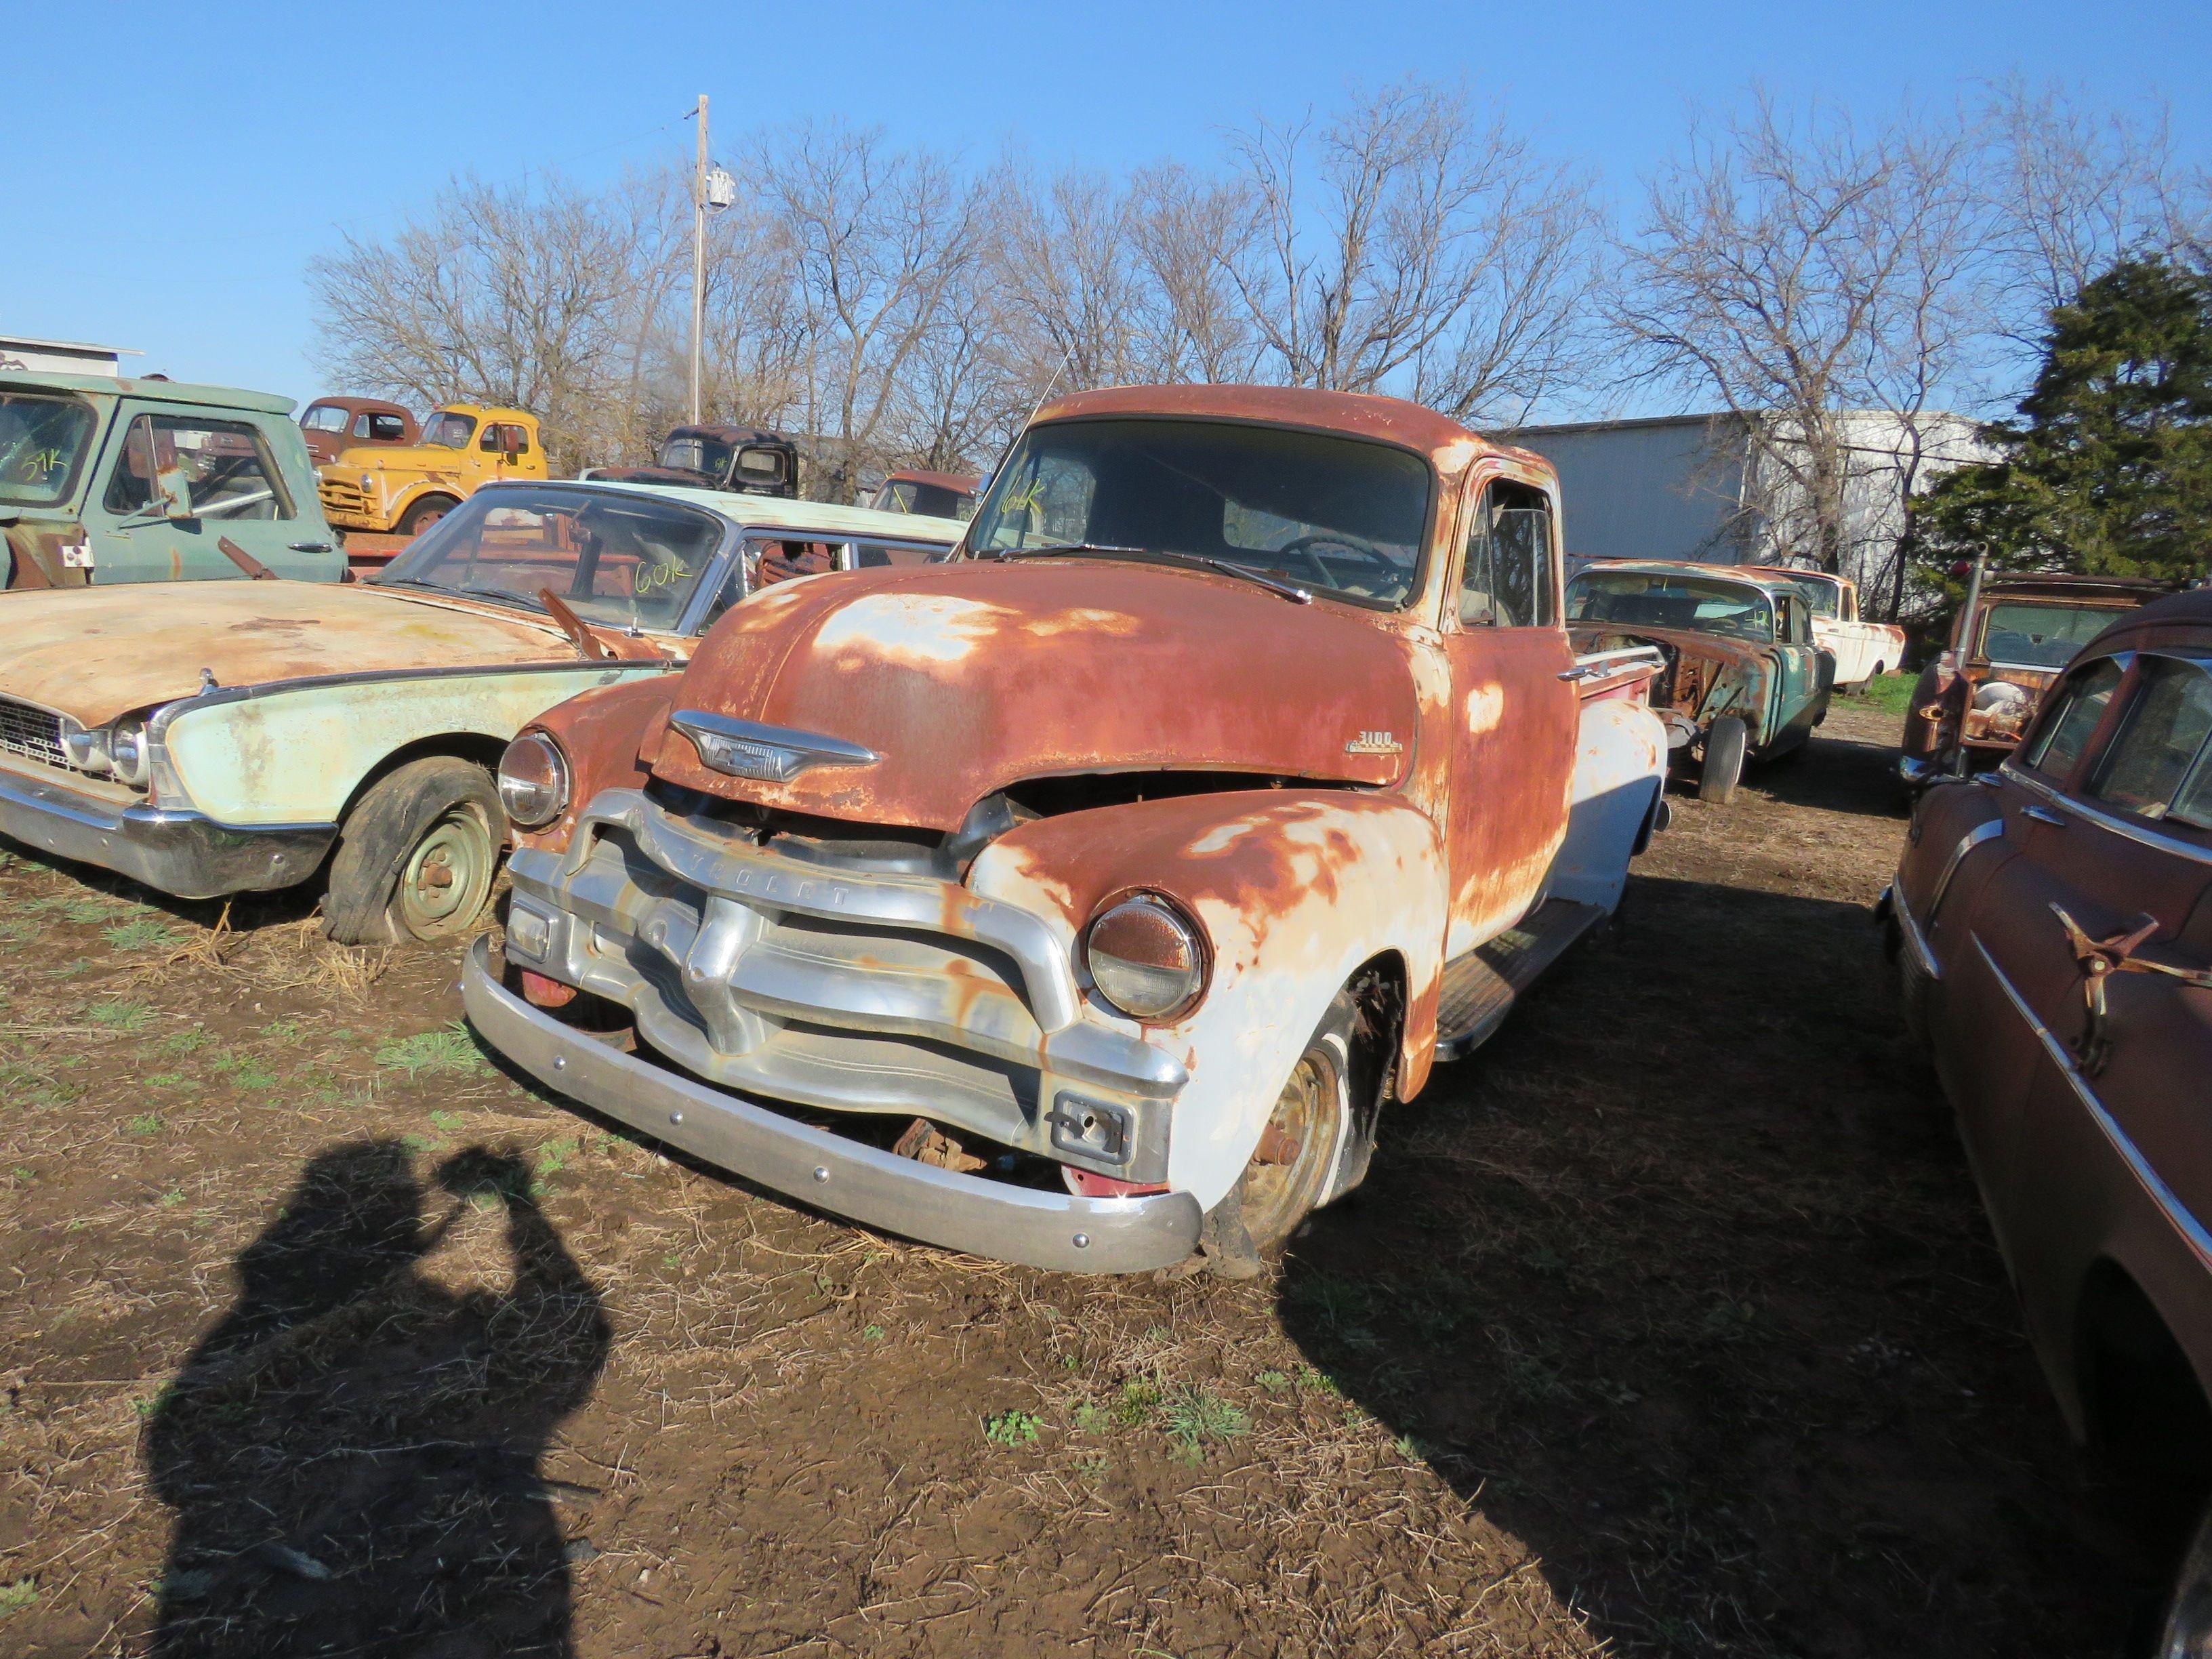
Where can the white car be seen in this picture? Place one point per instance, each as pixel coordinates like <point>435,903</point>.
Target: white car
<point>217,738</point>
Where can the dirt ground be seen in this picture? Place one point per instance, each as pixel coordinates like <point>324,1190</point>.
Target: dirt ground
<point>1666,1323</point>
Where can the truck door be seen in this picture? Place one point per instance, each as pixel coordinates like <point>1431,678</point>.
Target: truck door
<point>1513,719</point>
<point>229,473</point>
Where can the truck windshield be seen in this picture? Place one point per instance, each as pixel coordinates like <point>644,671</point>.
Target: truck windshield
<point>43,440</point>
<point>1640,599</point>
<point>2024,634</point>
<point>1823,596</point>
<point>451,431</point>
<point>1337,515</point>
<point>689,453</point>
<point>627,561</point>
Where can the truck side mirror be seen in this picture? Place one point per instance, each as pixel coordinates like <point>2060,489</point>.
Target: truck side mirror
<point>173,488</point>
<point>510,441</point>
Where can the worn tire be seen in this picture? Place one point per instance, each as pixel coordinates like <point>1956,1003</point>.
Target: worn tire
<point>1291,1169</point>
<point>432,818</point>
<point>425,513</point>
<point>1722,768</point>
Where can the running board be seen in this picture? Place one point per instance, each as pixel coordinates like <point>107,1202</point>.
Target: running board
<point>1479,987</point>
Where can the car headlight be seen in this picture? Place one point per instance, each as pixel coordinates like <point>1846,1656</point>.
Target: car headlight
<point>1999,694</point>
<point>367,484</point>
<point>126,752</point>
<point>533,781</point>
<point>1146,957</point>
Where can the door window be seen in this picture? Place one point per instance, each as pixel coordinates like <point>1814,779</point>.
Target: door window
<point>497,438</point>
<point>1506,579</point>
<point>385,428</point>
<point>2160,744</point>
<point>225,465</point>
<point>2066,732</point>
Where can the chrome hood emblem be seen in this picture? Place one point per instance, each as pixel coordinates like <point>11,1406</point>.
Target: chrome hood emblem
<point>766,754</point>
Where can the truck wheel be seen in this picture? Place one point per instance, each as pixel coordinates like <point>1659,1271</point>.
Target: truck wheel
<point>426,513</point>
<point>417,855</point>
<point>1723,763</point>
<point>1290,1169</point>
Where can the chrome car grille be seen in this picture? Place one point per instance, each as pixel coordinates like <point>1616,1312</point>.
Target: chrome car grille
<point>838,988</point>
<point>33,733</point>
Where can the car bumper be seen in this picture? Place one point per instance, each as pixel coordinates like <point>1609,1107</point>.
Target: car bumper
<point>863,1183</point>
<point>182,853</point>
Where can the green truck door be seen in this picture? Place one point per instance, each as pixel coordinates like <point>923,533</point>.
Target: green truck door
<point>246,477</point>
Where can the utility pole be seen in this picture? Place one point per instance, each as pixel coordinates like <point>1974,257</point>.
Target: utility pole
<point>699,267</point>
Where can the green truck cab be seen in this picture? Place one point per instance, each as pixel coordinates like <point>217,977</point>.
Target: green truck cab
<point>106,480</point>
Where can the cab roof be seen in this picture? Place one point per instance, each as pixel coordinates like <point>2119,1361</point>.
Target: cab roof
<point>1448,444</point>
<point>162,392</point>
<point>1748,574</point>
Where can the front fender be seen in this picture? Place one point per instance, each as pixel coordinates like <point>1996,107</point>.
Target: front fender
<point>296,754</point>
<point>1297,889</point>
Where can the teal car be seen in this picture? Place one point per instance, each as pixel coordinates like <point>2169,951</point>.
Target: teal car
<point>105,480</point>
<point>1744,680</point>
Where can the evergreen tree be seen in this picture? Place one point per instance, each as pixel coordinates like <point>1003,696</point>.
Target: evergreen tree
<point>2109,471</point>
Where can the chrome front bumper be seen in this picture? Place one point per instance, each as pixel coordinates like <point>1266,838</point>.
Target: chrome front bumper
<point>840,987</point>
<point>186,854</point>
<point>874,1187</point>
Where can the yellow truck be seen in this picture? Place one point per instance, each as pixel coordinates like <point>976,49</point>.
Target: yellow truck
<point>403,489</point>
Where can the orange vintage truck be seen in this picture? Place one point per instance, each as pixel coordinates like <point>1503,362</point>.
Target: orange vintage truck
<point>404,488</point>
<point>1083,899</point>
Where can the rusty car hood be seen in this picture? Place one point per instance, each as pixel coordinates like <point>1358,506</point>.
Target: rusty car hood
<point>102,652</point>
<point>967,676</point>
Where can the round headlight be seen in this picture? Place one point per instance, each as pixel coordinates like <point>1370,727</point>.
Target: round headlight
<point>367,484</point>
<point>1146,957</point>
<point>126,751</point>
<point>1999,694</point>
<point>533,780</point>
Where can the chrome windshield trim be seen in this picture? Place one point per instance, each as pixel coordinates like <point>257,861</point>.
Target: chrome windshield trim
<point>2192,1231</point>
<point>2142,833</point>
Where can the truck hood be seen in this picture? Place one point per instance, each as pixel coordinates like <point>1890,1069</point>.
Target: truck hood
<point>966,677</point>
<point>400,457</point>
<point>103,652</point>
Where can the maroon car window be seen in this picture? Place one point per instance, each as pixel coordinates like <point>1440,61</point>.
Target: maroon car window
<point>2066,734</point>
<point>386,428</point>
<point>2161,738</point>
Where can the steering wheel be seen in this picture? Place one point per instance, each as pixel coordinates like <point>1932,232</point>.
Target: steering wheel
<point>1363,550</point>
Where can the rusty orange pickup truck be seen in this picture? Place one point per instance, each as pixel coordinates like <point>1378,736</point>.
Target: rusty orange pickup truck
<point>1083,899</point>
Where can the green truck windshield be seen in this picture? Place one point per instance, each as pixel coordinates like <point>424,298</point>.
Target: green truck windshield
<point>43,440</point>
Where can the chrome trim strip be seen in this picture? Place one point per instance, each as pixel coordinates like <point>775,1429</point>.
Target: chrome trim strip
<point>2104,820</point>
<point>874,1187</point>
<point>2192,1231</point>
<point>1991,830</point>
<point>1915,940</point>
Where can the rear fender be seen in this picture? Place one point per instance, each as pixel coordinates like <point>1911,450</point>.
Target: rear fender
<point>1297,889</point>
<point>1620,771</point>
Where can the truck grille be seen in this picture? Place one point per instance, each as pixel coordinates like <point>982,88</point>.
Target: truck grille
<point>340,497</point>
<point>33,733</point>
<point>837,989</point>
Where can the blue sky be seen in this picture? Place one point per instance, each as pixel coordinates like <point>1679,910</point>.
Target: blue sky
<point>165,174</point>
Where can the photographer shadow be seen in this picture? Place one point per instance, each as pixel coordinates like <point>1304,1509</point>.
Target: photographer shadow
<point>353,1452</point>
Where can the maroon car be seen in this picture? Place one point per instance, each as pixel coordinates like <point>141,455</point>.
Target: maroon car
<point>332,424</point>
<point>938,495</point>
<point>2053,924</point>
<point>743,461</point>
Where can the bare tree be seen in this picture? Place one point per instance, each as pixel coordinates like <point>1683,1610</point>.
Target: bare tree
<point>2071,193</point>
<point>1427,249</point>
<point>510,295</point>
<point>1190,232</point>
<point>1794,268</point>
<point>880,239</point>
